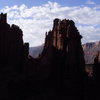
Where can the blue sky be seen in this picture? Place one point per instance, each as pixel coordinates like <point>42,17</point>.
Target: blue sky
<point>31,3</point>
<point>35,17</point>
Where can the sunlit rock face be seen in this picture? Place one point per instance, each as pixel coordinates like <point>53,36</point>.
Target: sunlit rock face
<point>90,51</point>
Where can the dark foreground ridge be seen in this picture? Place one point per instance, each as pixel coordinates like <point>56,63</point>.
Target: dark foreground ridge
<point>58,73</point>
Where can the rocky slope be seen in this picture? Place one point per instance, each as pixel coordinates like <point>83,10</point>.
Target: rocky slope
<point>35,51</point>
<point>90,51</point>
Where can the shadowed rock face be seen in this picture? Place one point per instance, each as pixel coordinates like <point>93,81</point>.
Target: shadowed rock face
<point>96,67</point>
<point>12,48</point>
<point>63,56</point>
<point>66,39</point>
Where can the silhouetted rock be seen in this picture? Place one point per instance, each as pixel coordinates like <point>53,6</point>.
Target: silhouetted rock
<point>12,48</point>
<point>13,57</point>
<point>58,71</point>
<point>63,57</point>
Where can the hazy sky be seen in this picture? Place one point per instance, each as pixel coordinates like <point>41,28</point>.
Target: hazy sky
<point>35,17</point>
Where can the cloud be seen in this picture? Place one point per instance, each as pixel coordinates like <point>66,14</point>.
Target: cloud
<point>89,33</point>
<point>36,20</point>
<point>90,2</point>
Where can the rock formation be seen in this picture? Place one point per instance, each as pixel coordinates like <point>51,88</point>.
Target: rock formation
<point>63,56</point>
<point>12,49</point>
<point>60,66</point>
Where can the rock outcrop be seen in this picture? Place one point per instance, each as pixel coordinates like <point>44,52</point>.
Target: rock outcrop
<point>12,49</point>
<point>63,57</point>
